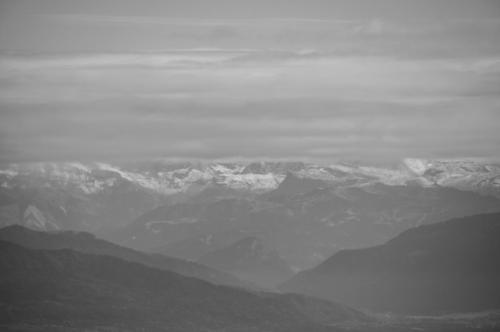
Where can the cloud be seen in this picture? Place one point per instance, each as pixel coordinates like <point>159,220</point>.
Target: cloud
<point>126,32</point>
<point>241,75</point>
<point>314,87</point>
<point>131,113</point>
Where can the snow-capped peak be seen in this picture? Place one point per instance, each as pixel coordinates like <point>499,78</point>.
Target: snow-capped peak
<point>416,166</point>
<point>165,178</point>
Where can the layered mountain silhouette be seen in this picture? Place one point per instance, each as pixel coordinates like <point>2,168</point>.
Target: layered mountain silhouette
<point>88,243</point>
<point>451,266</point>
<point>233,226</point>
<point>308,211</point>
<point>306,223</point>
<point>62,290</point>
<point>251,260</point>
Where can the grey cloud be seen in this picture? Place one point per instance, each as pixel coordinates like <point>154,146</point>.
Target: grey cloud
<point>92,133</point>
<point>415,37</point>
<point>220,80</point>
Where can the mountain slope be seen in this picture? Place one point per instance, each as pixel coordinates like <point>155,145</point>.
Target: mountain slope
<point>250,259</point>
<point>66,289</point>
<point>88,243</point>
<point>305,227</point>
<point>195,247</point>
<point>451,266</point>
<point>67,205</point>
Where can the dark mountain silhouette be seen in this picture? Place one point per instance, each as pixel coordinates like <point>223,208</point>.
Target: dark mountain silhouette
<point>66,289</point>
<point>451,266</point>
<point>88,243</point>
<point>250,259</point>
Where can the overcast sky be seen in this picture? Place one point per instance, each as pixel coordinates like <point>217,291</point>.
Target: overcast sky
<point>312,80</point>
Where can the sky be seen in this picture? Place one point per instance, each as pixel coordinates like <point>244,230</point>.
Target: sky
<point>312,80</point>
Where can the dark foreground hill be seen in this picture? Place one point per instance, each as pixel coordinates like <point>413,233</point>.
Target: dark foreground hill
<point>68,290</point>
<point>451,266</point>
<point>88,243</point>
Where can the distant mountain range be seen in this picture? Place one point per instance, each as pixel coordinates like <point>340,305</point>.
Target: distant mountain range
<point>446,267</point>
<point>306,220</point>
<point>188,210</point>
<point>170,178</point>
<point>100,195</point>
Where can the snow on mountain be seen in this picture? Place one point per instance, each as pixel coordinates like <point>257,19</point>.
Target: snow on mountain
<point>96,177</point>
<point>417,166</point>
<point>33,218</point>
<point>163,203</point>
<point>168,178</point>
<point>469,174</point>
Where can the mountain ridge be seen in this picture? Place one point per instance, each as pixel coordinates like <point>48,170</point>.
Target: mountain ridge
<point>89,243</point>
<point>451,266</point>
<point>169,178</point>
<point>103,292</point>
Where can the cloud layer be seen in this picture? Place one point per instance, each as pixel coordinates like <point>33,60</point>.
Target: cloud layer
<point>275,88</point>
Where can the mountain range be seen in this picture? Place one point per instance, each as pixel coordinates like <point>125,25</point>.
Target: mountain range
<point>187,210</point>
<point>88,243</point>
<point>72,195</point>
<point>169,178</point>
<point>66,290</point>
<point>306,223</point>
<point>446,267</point>
<point>53,282</point>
